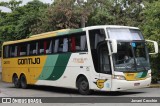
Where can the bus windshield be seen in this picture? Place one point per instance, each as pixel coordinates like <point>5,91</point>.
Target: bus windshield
<point>131,53</point>
<point>131,56</point>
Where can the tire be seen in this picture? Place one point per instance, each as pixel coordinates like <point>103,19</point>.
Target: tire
<point>23,81</point>
<point>16,81</point>
<point>83,86</point>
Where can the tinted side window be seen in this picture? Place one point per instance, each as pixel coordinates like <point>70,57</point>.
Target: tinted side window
<point>61,45</point>
<point>95,37</point>
<point>78,43</point>
<point>6,52</point>
<point>41,47</point>
<point>33,48</point>
<point>13,50</point>
<point>48,46</point>
<point>22,49</point>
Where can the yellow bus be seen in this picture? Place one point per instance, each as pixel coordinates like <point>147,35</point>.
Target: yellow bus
<point>104,58</point>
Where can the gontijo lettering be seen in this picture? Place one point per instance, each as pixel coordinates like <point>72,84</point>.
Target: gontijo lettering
<point>28,61</point>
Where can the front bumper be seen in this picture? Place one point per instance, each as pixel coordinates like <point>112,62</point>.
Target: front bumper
<point>119,85</point>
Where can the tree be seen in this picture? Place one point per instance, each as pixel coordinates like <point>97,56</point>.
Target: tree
<point>151,29</point>
<point>117,12</point>
<point>20,22</point>
<point>100,13</point>
<point>12,4</point>
<point>61,14</point>
<point>28,24</point>
<point>8,21</point>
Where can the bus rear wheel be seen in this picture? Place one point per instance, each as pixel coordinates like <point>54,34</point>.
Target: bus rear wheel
<point>23,81</point>
<point>16,81</point>
<point>83,86</point>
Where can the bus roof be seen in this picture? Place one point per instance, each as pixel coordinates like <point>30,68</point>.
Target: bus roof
<point>64,32</point>
<point>110,26</point>
<point>45,35</point>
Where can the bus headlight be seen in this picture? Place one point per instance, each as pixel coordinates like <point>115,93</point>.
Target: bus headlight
<point>119,77</point>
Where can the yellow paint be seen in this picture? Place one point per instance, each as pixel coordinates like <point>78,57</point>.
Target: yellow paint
<point>132,77</point>
<point>31,71</point>
<point>36,37</point>
<point>100,83</point>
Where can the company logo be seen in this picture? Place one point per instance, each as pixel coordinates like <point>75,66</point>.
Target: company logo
<point>21,100</point>
<point>28,61</point>
<point>100,83</point>
<point>6,100</point>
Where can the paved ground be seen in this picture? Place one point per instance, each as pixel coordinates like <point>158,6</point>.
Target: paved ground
<point>8,90</point>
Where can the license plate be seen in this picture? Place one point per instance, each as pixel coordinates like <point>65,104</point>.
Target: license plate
<point>136,84</point>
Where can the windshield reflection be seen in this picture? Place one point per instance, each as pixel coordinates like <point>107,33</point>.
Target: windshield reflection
<point>131,56</point>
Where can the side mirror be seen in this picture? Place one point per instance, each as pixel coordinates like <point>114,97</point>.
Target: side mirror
<point>113,45</point>
<point>155,46</point>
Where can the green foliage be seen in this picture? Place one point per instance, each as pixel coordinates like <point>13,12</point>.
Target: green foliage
<point>101,14</point>
<point>12,4</point>
<point>151,29</point>
<point>18,24</point>
<point>28,22</point>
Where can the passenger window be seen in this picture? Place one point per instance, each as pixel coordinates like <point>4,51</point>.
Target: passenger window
<point>62,45</point>
<point>48,47</point>
<point>96,36</point>
<point>83,43</point>
<point>56,45</point>
<point>41,47</point>
<point>10,51</point>
<point>13,51</point>
<point>65,45</point>
<point>78,43</point>
<point>33,48</point>
<point>22,50</point>
<point>6,52</point>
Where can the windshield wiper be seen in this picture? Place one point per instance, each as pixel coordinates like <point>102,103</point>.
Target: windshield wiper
<point>142,65</point>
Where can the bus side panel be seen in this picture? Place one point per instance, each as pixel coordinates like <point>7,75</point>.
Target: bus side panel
<point>6,75</point>
<point>72,66</point>
<point>31,67</point>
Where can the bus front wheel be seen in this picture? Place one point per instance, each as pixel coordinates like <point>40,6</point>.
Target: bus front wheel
<point>16,81</point>
<point>23,81</point>
<point>83,86</point>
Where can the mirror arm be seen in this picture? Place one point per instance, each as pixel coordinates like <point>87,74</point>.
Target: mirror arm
<point>155,46</point>
<point>113,45</point>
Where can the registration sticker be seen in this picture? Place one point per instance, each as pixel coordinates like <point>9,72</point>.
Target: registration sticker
<point>133,44</point>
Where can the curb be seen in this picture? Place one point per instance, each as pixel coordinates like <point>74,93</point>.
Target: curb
<point>154,86</point>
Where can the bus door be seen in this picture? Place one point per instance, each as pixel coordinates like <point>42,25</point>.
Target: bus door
<point>104,66</point>
<point>101,59</point>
